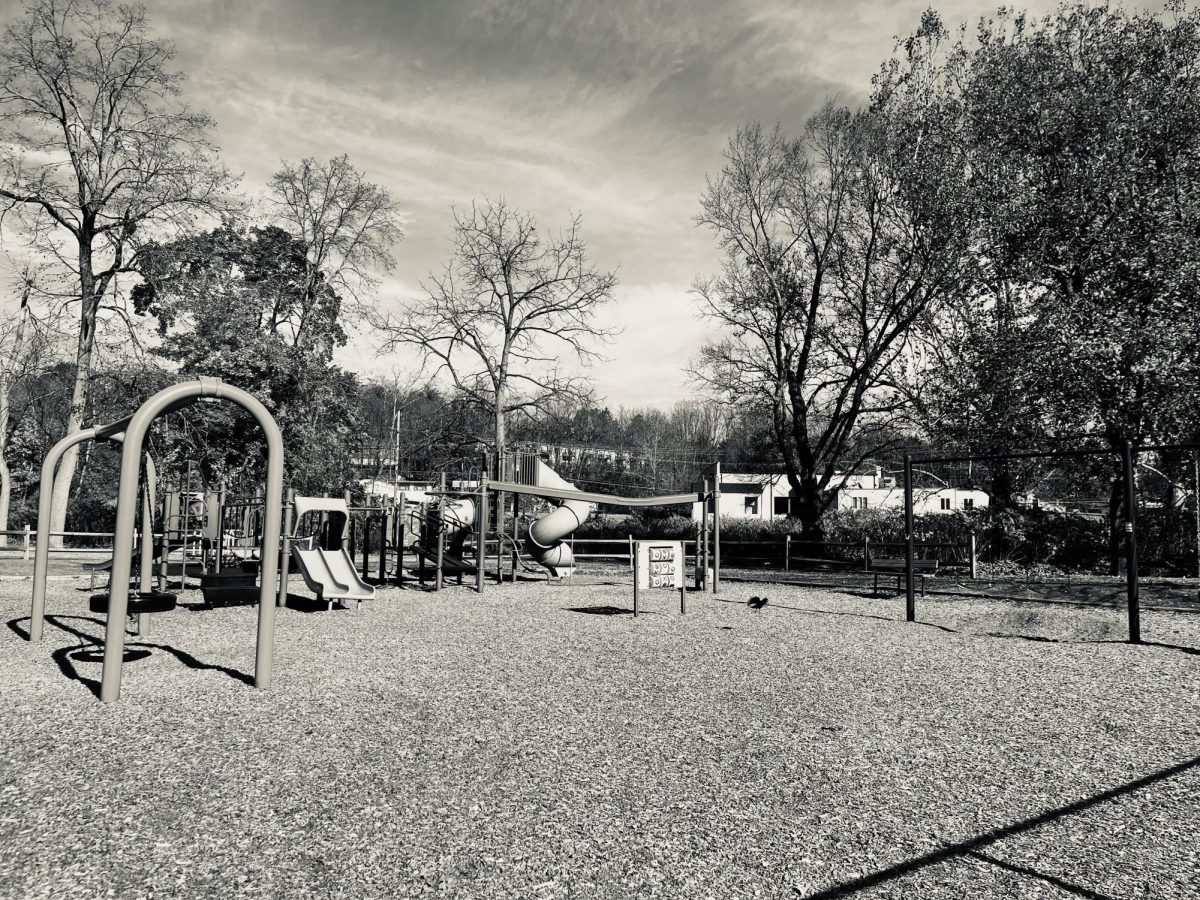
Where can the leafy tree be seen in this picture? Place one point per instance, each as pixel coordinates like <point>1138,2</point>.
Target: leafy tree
<point>96,154</point>
<point>1083,134</point>
<point>241,305</point>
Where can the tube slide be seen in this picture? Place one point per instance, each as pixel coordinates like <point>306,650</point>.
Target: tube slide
<point>545,540</point>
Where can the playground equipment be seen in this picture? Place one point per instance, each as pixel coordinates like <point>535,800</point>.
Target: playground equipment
<point>544,540</point>
<point>328,572</point>
<point>134,430</point>
<point>146,600</point>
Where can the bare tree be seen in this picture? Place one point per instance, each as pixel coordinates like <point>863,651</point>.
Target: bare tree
<point>347,224</point>
<point>835,244</point>
<point>22,352</point>
<point>509,304</point>
<point>96,154</point>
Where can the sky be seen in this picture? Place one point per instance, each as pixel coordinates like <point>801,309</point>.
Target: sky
<point>615,110</point>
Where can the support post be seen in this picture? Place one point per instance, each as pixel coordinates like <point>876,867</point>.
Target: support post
<point>399,513</point>
<point>1195,505</point>
<point>866,553</point>
<point>146,547</point>
<point>787,552</point>
<point>441,535</point>
<point>285,556</point>
<point>219,560</point>
<point>703,548</point>
<point>481,524</point>
<point>910,600</point>
<point>366,547</point>
<point>972,547</point>
<point>716,579</point>
<point>1131,572</point>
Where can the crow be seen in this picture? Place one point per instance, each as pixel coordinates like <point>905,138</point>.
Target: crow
<point>757,602</point>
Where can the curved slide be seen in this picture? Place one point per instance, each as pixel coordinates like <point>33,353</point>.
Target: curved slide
<point>545,539</point>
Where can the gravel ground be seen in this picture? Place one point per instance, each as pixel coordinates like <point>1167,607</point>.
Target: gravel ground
<point>539,742</point>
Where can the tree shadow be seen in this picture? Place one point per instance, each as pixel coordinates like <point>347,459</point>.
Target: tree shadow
<point>91,650</point>
<point>834,612</point>
<point>974,846</point>
<point>1180,648</point>
<point>599,610</point>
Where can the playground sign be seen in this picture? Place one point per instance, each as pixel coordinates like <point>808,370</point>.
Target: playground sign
<point>658,564</point>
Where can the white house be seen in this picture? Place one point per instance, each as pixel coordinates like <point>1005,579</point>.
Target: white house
<point>749,496</point>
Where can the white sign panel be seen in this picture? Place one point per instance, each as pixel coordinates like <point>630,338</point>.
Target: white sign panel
<point>659,564</point>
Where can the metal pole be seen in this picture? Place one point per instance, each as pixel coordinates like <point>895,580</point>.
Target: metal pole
<point>716,579</point>
<point>636,578</point>
<point>787,552</point>
<point>185,506</point>
<point>366,546</point>
<point>973,547</point>
<point>285,555</point>
<point>1196,504</point>
<point>910,600</point>
<point>383,543</point>
<point>704,538</point>
<point>219,561</point>
<point>482,525</point>
<point>441,535</point>
<point>398,512</point>
<point>1131,573</point>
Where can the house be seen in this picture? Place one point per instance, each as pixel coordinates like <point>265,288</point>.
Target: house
<point>750,496</point>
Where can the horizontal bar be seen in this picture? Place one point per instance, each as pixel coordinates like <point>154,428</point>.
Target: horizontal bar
<point>608,499</point>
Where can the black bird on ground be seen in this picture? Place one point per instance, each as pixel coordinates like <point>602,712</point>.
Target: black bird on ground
<point>756,602</point>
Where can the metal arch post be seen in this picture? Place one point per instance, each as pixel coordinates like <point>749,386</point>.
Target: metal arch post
<point>169,399</point>
<point>41,550</point>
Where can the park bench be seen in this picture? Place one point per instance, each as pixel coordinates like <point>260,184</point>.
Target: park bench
<point>898,567</point>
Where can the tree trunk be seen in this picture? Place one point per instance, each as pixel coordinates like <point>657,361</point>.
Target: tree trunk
<point>808,508</point>
<point>1116,535</point>
<point>89,306</point>
<point>6,381</point>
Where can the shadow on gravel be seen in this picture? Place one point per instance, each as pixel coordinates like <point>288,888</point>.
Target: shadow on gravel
<point>599,610</point>
<point>975,845</point>
<point>834,612</point>
<point>91,650</point>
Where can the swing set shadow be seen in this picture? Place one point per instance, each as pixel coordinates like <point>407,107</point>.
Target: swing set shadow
<point>91,649</point>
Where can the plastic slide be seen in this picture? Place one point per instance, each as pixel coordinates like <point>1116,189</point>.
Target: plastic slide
<point>545,539</point>
<point>328,573</point>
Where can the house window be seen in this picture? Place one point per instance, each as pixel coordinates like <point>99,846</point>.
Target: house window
<point>968,502</point>
<point>781,506</point>
<point>945,503</point>
<point>752,506</point>
<point>858,502</point>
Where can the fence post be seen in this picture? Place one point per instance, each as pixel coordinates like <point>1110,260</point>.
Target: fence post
<point>25,543</point>
<point>787,552</point>
<point>630,551</point>
<point>866,553</point>
<point>974,555</point>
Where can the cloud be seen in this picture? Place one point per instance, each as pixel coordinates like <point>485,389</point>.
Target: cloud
<point>615,110</point>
